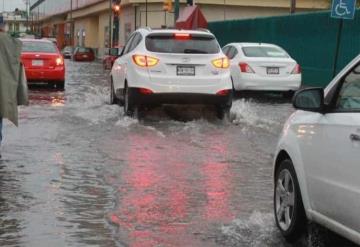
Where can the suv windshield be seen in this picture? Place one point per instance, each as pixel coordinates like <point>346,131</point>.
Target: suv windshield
<point>34,46</point>
<point>264,51</point>
<point>193,44</point>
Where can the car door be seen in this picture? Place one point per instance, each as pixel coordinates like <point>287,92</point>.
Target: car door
<point>332,164</point>
<point>119,71</point>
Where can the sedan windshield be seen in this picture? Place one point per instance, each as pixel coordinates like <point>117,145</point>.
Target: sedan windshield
<point>84,50</point>
<point>264,51</point>
<point>33,46</point>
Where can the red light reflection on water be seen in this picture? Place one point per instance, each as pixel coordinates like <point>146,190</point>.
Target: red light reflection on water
<point>166,194</point>
<point>47,97</point>
<point>217,180</point>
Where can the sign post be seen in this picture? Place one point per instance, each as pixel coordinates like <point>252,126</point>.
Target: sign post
<point>341,9</point>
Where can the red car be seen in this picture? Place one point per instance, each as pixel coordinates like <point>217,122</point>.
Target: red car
<point>43,62</point>
<point>83,54</point>
<point>109,59</point>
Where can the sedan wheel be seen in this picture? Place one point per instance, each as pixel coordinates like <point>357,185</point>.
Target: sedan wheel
<point>288,207</point>
<point>285,199</point>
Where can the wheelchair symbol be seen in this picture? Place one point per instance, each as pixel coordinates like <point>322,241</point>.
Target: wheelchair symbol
<point>341,9</point>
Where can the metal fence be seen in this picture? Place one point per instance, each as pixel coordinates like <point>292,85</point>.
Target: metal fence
<point>310,38</point>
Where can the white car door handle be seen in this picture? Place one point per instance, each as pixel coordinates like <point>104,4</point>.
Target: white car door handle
<point>355,138</point>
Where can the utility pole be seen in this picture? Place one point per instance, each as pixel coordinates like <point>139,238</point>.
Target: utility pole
<point>71,23</point>
<point>146,13</point>
<point>292,6</point>
<point>177,11</point>
<point>27,15</point>
<point>110,21</point>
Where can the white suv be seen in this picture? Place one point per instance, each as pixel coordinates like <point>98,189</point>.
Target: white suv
<point>317,163</point>
<point>171,67</point>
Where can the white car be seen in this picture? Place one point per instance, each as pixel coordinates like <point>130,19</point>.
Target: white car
<point>262,67</point>
<point>171,67</point>
<point>317,162</point>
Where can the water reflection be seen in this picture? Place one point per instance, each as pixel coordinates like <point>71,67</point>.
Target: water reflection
<point>44,96</point>
<point>217,180</point>
<point>166,198</point>
<point>12,203</point>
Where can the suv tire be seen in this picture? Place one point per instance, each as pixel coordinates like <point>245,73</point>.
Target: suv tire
<point>129,101</point>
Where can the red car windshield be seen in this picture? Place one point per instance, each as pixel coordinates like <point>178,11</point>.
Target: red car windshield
<point>29,46</point>
<point>84,50</point>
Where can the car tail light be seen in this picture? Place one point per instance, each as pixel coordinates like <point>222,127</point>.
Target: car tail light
<point>145,61</point>
<point>296,70</point>
<point>59,61</point>
<point>221,63</point>
<point>145,91</point>
<point>245,68</point>
<point>182,36</point>
<point>223,92</point>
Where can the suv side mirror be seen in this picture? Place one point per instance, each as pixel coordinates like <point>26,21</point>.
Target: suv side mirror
<point>310,99</point>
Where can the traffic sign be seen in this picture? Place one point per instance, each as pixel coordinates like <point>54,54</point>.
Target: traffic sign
<point>343,9</point>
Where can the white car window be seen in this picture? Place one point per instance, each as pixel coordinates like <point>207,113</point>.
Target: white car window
<point>193,44</point>
<point>349,96</point>
<point>135,42</point>
<point>226,50</point>
<point>128,44</point>
<point>264,51</point>
<point>232,52</point>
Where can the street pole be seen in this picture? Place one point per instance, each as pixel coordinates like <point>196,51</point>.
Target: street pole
<point>338,41</point>
<point>176,10</point>
<point>71,23</point>
<point>110,27</point>
<point>292,6</point>
<point>224,10</point>
<point>146,13</point>
<point>27,15</point>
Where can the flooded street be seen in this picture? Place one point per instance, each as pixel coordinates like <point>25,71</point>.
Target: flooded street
<point>78,173</point>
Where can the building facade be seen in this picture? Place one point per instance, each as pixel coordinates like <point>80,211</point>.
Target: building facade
<point>89,22</point>
<point>15,22</point>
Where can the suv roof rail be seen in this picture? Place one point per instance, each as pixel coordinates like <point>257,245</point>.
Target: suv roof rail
<point>146,28</point>
<point>203,29</point>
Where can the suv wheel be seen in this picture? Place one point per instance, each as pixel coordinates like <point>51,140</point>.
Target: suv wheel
<point>129,102</point>
<point>223,112</point>
<point>113,98</point>
<point>288,207</point>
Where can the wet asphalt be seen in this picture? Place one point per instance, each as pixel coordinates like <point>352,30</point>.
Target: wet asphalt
<point>78,173</point>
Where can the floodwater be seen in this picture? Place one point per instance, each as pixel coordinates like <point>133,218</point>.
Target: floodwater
<point>78,173</point>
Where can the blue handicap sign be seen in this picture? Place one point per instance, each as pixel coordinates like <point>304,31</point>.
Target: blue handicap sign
<point>343,9</point>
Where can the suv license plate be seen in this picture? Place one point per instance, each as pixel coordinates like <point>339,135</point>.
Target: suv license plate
<point>185,70</point>
<point>272,70</point>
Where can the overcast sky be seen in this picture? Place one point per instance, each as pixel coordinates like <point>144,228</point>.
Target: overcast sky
<point>11,5</point>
